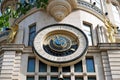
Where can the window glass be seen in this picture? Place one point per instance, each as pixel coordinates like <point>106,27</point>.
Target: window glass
<point>66,69</point>
<point>32,32</point>
<point>91,78</point>
<point>31,65</point>
<point>78,67</point>
<point>54,78</point>
<point>54,69</point>
<point>87,31</point>
<point>42,78</point>
<point>30,78</point>
<point>42,67</point>
<point>78,78</point>
<point>90,65</point>
<point>67,78</point>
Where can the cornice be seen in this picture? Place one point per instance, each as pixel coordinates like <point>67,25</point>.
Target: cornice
<point>15,47</point>
<point>109,46</point>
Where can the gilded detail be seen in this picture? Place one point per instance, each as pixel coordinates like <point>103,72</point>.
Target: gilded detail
<point>13,33</point>
<point>111,29</point>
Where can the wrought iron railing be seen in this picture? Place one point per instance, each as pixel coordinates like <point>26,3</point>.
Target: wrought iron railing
<point>89,6</point>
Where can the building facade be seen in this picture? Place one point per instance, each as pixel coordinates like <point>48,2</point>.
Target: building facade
<point>69,40</point>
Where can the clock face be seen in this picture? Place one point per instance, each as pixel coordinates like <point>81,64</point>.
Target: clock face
<point>60,44</point>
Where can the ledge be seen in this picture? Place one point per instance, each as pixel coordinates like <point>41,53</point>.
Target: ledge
<point>109,46</point>
<point>15,47</point>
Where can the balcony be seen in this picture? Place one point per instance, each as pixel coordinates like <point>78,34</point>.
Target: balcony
<point>89,6</point>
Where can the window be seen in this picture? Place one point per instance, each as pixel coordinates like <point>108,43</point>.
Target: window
<point>78,78</point>
<point>91,78</point>
<point>32,32</point>
<point>67,78</point>
<point>30,78</point>
<point>78,67</point>
<point>54,69</point>
<point>116,15</point>
<point>31,65</point>
<point>90,65</point>
<point>42,67</point>
<point>54,78</point>
<point>87,31</point>
<point>66,69</point>
<point>42,78</point>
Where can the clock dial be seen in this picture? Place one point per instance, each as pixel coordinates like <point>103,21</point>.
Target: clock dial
<point>60,43</point>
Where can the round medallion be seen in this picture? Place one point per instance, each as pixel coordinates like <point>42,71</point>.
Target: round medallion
<point>60,44</point>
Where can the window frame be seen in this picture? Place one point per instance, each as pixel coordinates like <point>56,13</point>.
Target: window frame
<point>28,64</point>
<point>87,24</point>
<point>30,26</point>
<point>42,66</point>
<point>30,77</point>
<point>79,65</point>
<point>90,57</point>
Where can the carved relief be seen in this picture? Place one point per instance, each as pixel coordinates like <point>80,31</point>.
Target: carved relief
<point>59,9</point>
<point>111,29</point>
<point>13,33</point>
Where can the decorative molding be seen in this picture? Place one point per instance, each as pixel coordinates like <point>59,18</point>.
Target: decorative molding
<point>15,47</point>
<point>59,9</point>
<point>89,6</point>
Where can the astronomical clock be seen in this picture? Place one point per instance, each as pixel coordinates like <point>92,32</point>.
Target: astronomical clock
<point>60,44</point>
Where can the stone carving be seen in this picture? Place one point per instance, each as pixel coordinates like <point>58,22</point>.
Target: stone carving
<point>13,33</point>
<point>59,9</point>
<point>111,29</point>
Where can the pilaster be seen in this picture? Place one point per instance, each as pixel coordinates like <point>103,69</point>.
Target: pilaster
<point>114,60</point>
<point>7,65</point>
